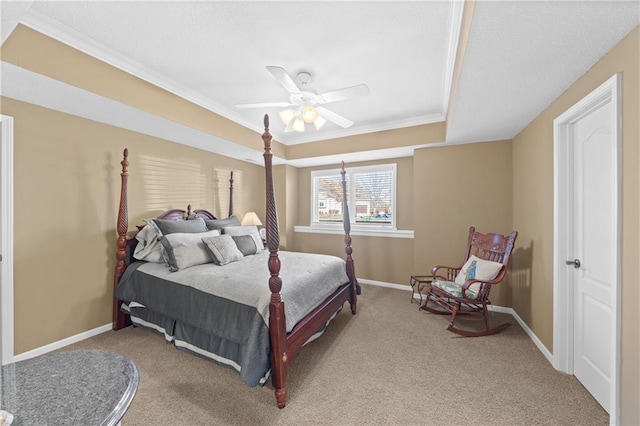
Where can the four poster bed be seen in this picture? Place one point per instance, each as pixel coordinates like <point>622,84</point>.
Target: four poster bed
<point>225,311</point>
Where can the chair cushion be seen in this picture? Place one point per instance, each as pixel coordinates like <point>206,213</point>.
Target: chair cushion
<point>479,269</point>
<point>453,288</point>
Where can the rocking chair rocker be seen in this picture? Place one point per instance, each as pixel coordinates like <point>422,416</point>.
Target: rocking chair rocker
<point>465,290</point>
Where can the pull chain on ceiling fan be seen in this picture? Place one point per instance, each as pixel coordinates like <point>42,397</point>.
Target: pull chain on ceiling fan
<point>305,106</point>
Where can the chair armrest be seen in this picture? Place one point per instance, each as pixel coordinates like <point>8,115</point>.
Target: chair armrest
<point>468,283</point>
<point>451,272</point>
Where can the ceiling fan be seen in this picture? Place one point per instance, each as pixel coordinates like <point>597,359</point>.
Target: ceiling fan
<point>305,105</point>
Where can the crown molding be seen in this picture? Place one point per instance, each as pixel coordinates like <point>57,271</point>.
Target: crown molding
<point>30,87</point>
<point>64,34</point>
<point>389,125</point>
<point>456,9</point>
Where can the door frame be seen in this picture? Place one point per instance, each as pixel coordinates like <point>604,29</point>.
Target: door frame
<point>563,306</point>
<point>6,243</point>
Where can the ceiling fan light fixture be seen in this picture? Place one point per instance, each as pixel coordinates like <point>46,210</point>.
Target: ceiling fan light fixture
<point>300,109</point>
<point>309,114</point>
<point>319,122</point>
<point>298,125</point>
<point>287,115</point>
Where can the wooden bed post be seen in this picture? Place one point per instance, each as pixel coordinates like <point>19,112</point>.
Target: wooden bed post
<point>277,323</point>
<point>120,320</point>
<point>230,194</point>
<point>351,272</point>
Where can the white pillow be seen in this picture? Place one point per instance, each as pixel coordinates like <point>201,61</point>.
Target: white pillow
<point>485,270</point>
<point>187,249</point>
<point>149,247</point>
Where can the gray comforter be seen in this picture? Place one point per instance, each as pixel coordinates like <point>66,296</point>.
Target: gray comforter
<point>230,304</point>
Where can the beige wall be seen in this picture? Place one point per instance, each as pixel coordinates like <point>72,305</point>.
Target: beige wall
<point>285,181</point>
<point>533,211</point>
<point>456,187</point>
<point>407,136</point>
<point>66,192</point>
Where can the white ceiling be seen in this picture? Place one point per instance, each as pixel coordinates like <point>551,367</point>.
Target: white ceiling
<point>520,56</point>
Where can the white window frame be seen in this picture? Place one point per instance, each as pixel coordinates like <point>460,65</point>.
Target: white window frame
<point>351,190</point>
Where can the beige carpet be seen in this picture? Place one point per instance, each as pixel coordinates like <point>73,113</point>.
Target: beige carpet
<point>390,364</point>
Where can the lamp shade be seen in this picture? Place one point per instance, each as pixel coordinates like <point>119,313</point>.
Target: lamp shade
<point>298,125</point>
<point>287,115</point>
<point>319,122</point>
<point>309,114</point>
<point>295,119</point>
<point>251,218</point>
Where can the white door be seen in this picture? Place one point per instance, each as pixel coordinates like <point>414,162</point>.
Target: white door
<point>587,244</point>
<point>1,245</point>
<point>594,248</point>
<point>6,239</point>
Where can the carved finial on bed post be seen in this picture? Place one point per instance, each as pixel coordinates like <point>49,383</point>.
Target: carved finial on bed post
<point>231,194</point>
<point>119,320</point>
<point>188,212</point>
<point>351,273</point>
<point>277,322</point>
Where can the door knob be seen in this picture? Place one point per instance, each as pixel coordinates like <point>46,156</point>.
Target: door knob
<point>575,263</point>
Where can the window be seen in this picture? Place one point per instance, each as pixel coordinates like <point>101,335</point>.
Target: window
<point>371,193</point>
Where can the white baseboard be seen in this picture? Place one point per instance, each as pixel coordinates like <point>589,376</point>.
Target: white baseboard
<point>501,309</point>
<point>533,337</point>
<point>61,343</point>
<point>383,284</point>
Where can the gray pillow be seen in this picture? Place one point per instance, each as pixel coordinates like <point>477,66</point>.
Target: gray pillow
<point>187,249</point>
<point>223,249</point>
<point>222,223</point>
<point>181,226</point>
<point>252,230</point>
<point>245,244</point>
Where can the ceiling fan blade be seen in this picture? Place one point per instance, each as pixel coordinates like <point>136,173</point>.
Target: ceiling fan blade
<point>346,93</point>
<point>284,79</point>
<point>264,105</point>
<point>334,118</point>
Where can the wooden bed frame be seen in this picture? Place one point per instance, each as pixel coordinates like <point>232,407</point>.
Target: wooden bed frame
<point>284,346</point>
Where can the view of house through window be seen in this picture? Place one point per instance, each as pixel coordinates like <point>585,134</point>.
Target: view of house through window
<point>370,194</point>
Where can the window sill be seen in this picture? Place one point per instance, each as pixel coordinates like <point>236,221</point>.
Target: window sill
<point>378,232</point>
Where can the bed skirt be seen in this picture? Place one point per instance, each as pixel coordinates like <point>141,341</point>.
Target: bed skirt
<point>203,344</point>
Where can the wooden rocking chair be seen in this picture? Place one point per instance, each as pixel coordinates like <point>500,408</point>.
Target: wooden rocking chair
<point>465,290</point>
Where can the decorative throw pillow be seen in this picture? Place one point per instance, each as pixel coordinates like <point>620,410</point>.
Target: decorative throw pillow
<point>222,223</point>
<point>180,226</point>
<point>484,270</point>
<point>223,249</point>
<point>252,230</point>
<point>149,247</point>
<point>187,249</point>
<point>246,244</point>
<point>471,270</point>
